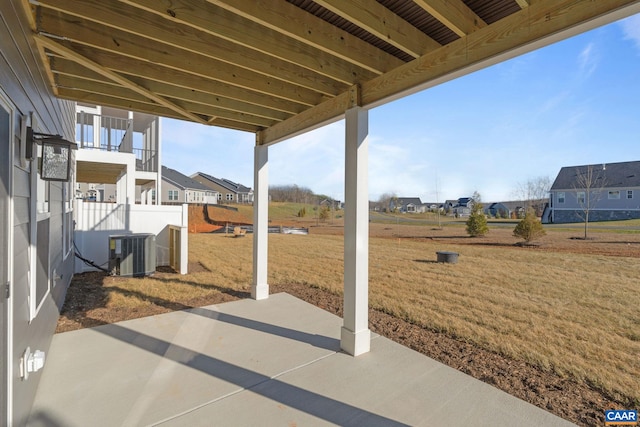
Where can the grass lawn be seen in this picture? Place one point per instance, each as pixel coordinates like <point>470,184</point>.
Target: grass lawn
<point>575,315</point>
<point>571,313</point>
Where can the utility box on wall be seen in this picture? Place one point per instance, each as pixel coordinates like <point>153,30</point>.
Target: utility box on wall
<point>132,254</point>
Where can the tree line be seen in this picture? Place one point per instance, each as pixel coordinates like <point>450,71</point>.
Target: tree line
<point>295,194</point>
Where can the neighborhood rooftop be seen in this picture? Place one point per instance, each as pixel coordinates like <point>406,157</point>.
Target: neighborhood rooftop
<point>226,183</point>
<point>181,181</point>
<point>622,174</point>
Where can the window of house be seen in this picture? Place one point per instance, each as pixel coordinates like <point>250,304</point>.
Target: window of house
<point>229,197</point>
<point>173,195</point>
<point>580,196</point>
<point>219,197</point>
<point>629,194</point>
<point>614,194</point>
<point>561,197</point>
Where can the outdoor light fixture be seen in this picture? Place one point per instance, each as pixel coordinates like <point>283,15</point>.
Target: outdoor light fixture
<point>56,155</point>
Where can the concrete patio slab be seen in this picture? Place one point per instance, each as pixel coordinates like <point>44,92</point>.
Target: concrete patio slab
<point>269,362</point>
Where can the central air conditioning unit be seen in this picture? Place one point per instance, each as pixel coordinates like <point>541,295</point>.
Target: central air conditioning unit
<point>132,254</point>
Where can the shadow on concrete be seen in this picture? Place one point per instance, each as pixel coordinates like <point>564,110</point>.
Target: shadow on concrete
<point>323,407</point>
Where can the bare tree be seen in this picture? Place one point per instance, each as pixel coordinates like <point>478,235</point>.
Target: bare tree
<point>384,201</point>
<point>590,180</point>
<point>533,193</point>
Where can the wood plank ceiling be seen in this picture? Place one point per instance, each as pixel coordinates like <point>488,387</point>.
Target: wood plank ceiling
<point>276,67</point>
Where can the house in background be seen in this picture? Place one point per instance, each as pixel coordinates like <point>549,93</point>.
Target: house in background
<point>229,191</point>
<point>498,210</point>
<point>462,207</point>
<point>407,205</point>
<point>179,188</point>
<point>613,193</point>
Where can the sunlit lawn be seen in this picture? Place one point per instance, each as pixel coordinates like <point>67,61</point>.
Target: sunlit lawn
<point>575,315</point>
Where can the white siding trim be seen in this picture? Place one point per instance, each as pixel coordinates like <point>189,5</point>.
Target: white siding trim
<point>8,106</point>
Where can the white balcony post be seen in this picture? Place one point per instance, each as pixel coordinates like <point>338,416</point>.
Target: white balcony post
<point>355,335</point>
<point>260,287</point>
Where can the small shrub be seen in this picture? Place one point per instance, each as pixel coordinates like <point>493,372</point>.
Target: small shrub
<point>302,213</point>
<point>529,228</point>
<point>324,213</point>
<point>477,222</point>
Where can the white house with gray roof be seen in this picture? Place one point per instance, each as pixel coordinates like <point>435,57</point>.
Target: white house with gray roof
<point>178,188</point>
<point>613,195</point>
<point>229,191</point>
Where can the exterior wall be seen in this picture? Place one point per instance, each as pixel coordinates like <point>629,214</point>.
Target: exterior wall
<point>188,196</point>
<point>95,222</point>
<point>165,194</point>
<point>572,215</point>
<point>235,197</point>
<point>602,208</point>
<point>33,253</point>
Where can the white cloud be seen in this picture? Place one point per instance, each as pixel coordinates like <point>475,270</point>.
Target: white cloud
<point>631,29</point>
<point>588,60</point>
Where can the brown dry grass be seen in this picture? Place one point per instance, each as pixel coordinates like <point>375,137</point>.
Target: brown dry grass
<point>572,314</point>
<point>567,306</point>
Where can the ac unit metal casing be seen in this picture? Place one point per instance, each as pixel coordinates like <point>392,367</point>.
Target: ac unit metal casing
<point>132,254</point>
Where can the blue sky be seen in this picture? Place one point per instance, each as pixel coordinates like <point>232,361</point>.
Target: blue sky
<point>572,103</point>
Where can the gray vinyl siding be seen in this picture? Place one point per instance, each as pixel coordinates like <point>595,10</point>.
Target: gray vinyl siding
<point>600,200</point>
<point>601,207</point>
<point>5,169</point>
<point>26,87</point>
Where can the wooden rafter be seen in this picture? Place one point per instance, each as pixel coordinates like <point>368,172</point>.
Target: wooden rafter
<point>279,67</point>
<point>94,66</point>
<point>244,32</point>
<point>306,28</point>
<point>540,20</point>
<point>128,23</point>
<point>454,14</point>
<point>380,21</point>
<point>185,86</point>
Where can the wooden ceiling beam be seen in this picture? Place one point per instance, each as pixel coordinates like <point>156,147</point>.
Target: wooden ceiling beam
<point>187,82</point>
<point>246,33</point>
<point>310,30</point>
<point>384,24</point>
<point>135,47</point>
<point>127,19</point>
<point>199,90</point>
<point>326,112</point>
<point>454,14</point>
<point>96,67</point>
<point>82,96</point>
<point>534,25</point>
<point>209,110</point>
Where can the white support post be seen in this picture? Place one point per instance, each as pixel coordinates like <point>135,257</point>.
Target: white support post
<point>260,287</point>
<point>184,240</point>
<point>355,334</point>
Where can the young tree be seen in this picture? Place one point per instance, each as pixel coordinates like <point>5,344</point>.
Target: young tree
<point>590,180</point>
<point>529,228</point>
<point>477,222</point>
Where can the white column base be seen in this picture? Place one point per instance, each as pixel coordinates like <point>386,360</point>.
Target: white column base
<point>260,291</point>
<point>355,343</point>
